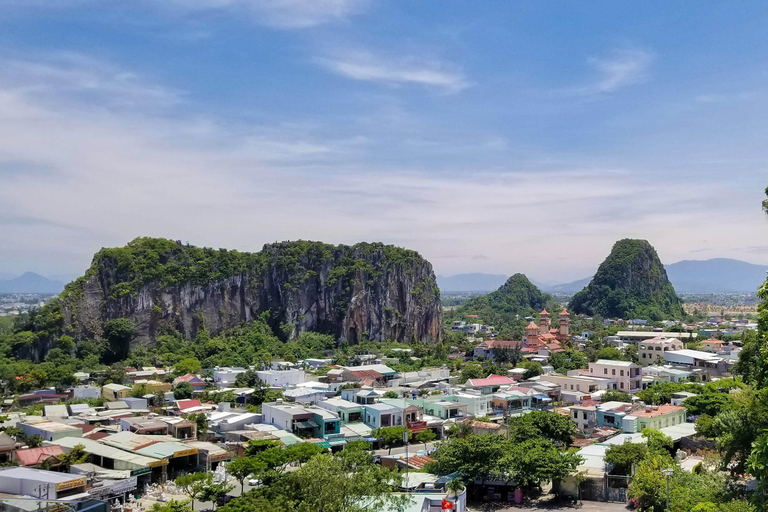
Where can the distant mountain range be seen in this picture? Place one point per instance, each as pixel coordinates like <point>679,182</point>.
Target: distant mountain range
<point>29,282</point>
<point>715,275</point>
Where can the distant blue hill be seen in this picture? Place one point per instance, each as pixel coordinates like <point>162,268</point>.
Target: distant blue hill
<point>717,275</point>
<point>471,282</point>
<point>29,282</point>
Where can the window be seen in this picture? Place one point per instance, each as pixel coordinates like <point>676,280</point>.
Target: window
<point>575,415</point>
<point>613,372</point>
<point>605,371</point>
<point>585,415</point>
<point>621,373</point>
<point>622,385</point>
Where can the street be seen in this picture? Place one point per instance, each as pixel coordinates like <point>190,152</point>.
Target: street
<point>412,449</point>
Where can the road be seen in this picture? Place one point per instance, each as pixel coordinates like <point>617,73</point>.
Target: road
<point>586,506</point>
<point>412,449</point>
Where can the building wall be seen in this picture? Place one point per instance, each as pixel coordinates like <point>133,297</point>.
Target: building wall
<point>282,378</point>
<point>628,378</point>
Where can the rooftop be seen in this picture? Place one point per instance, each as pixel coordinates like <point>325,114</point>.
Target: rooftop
<point>491,380</point>
<point>614,363</point>
<point>38,475</point>
<point>659,411</point>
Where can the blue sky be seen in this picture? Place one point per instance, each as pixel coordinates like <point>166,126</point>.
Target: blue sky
<point>493,137</point>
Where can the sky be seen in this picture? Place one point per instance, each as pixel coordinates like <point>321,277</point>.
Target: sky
<point>490,136</point>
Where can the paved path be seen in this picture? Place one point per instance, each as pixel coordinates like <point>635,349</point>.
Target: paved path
<point>586,506</point>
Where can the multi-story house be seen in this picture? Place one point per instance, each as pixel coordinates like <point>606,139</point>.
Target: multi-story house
<point>585,416</point>
<point>627,374</point>
<point>652,350</point>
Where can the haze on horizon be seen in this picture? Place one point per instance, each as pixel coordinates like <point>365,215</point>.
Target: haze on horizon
<point>492,137</point>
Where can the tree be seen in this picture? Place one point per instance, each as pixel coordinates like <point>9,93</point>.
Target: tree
<point>243,467</point>
<point>612,395</point>
<point>183,391</point>
<point>77,455</point>
<point>118,333</point>
<point>757,466</point>
<point>390,436</point>
<point>471,371</point>
<point>569,359</point>
<point>194,484</point>
<point>426,436</point>
<point>391,394</point>
<point>172,506</point>
<point>532,368</point>
<point>201,423</point>
<point>649,485</point>
<point>538,461</point>
<point>624,456</point>
<point>34,441</point>
<point>214,491</point>
<point>186,366</point>
<point>554,427</point>
<point>610,353</point>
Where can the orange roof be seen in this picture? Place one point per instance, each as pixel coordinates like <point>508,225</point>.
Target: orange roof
<point>543,312</point>
<point>564,313</point>
<point>660,411</point>
<point>714,340</point>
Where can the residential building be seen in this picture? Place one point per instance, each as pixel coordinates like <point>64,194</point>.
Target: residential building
<point>585,416</point>
<point>582,383</point>
<point>680,397</point>
<point>612,414</point>
<point>650,351</point>
<point>291,417</point>
<point>50,485</point>
<point>712,364</point>
<point>490,384</point>
<point>144,425</point>
<point>671,373</point>
<point>42,455</point>
<point>347,411</point>
<point>196,382</point>
<point>627,374</point>
<point>306,396</point>
<point>380,415</point>
<point>458,325</point>
<point>638,336</point>
<point>113,392</point>
<point>658,417</point>
<point>86,392</point>
<point>510,402</point>
<point>281,378</point>
<point>478,404</point>
<point>224,377</point>
<point>48,430</point>
<point>442,408</point>
<point>712,345</point>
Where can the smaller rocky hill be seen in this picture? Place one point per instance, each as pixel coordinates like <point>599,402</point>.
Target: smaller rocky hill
<point>630,283</point>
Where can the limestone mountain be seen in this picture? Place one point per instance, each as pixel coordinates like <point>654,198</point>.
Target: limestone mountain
<point>630,283</point>
<point>369,290</point>
<point>505,307</point>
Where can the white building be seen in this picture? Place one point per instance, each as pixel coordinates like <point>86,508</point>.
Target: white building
<point>650,350</point>
<point>224,377</point>
<point>281,378</point>
<point>85,392</point>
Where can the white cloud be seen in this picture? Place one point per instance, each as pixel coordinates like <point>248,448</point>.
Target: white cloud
<point>365,66</point>
<point>623,68</point>
<point>286,14</point>
<point>78,176</point>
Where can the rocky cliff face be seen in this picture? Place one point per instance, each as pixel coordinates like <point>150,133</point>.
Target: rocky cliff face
<point>364,291</point>
<point>630,283</point>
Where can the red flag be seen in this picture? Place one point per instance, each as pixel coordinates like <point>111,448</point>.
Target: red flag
<point>447,505</point>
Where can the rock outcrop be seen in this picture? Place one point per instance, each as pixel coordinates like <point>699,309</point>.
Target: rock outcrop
<point>630,283</point>
<point>366,291</point>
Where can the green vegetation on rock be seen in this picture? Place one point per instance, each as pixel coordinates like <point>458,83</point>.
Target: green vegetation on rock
<point>630,283</point>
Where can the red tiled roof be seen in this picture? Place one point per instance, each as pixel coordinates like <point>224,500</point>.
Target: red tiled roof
<point>32,456</point>
<point>661,410</point>
<point>532,326</point>
<point>187,404</point>
<point>543,312</point>
<point>418,461</point>
<point>491,380</point>
<point>590,403</point>
<point>366,374</point>
<point>501,343</point>
<point>97,435</point>
<point>186,378</point>
<point>564,313</point>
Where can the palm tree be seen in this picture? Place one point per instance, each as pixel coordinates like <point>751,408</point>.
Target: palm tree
<point>455,486</point>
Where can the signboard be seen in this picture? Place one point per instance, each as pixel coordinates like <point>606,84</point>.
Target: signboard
<point>141,471</point>
<point>162,462</point>
<point>79,482</point>
<point>115,489</point>
<point>220,456</point>
<point>184,453</point>
<point>417,425</point>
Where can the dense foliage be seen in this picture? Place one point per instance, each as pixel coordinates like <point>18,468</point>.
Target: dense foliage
<point>505,308</point>
<point>630,283</point>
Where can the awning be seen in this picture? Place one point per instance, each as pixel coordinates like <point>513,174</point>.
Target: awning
<point>306,424</point>
<point>544,398</point>
<point>324,444</point>
<point>336,442</point>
